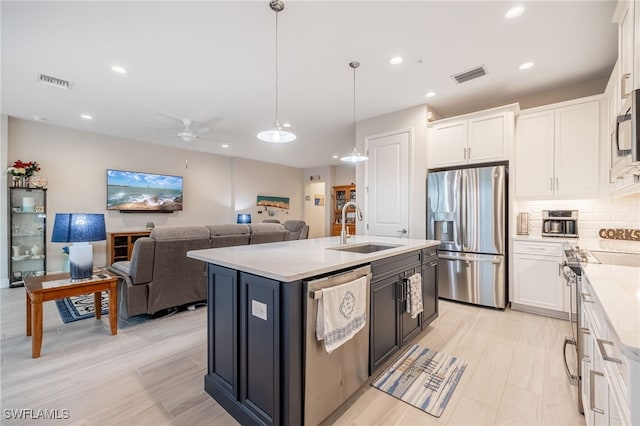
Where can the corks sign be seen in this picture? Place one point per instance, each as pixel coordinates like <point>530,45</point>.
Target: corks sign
<point>620,234</point>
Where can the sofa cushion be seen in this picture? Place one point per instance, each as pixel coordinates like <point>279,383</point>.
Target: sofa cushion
<point>179,233</point>
<point>267,232</point>
<point>229,229</point>
<point>229,235</point>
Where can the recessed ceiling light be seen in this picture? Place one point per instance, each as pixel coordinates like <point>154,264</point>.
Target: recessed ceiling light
<point>118,69</point>
<point>37,118</point>
<point>224,145</point>
<point>334,156</point>
<point>430,94</point>
<point>86,116</point>
<point>395,61</point>
<point>526,65</point>
<point>514,12</point>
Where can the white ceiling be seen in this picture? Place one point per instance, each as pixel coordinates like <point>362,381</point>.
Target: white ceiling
<point>215,62</point>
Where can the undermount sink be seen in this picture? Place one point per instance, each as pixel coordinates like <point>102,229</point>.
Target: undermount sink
<point>364,248</point>
<point>617,258</point>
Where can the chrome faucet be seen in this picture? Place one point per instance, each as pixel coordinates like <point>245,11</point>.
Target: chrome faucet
<point>343,231</point>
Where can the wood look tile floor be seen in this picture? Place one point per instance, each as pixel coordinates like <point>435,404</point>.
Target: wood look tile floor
<point>152,372</point>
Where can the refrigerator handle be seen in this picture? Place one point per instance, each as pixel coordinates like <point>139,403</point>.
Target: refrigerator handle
<point>494,260</point>
<point>465,213</point>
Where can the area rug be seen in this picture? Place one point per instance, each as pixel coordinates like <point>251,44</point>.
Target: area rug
<point>80,307</point>
<point>423,378</point>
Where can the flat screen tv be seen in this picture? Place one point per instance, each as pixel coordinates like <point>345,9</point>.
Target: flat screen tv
<point>143,192</point>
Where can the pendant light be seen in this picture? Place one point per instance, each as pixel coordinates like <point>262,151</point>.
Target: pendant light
<point>354,156</point>
<point>278,134</point>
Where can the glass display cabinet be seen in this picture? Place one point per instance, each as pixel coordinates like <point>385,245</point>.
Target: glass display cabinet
<point>28,234</point>
<point>341,195</point>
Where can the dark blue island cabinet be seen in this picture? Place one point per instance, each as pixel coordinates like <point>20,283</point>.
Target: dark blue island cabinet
<point>256,335</point>
<point>255,347</point>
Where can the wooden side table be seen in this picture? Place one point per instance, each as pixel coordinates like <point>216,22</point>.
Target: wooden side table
<point>58,286</point>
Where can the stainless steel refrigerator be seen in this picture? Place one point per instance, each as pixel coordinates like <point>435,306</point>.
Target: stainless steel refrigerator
<point>466,211</point>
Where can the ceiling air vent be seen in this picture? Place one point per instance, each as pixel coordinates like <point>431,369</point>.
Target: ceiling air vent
<point>52,81</point>
<point>470,75</point>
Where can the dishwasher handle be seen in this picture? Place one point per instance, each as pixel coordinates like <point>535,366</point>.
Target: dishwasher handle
<point>317,294</point>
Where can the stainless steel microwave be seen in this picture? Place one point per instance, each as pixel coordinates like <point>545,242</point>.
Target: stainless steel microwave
<point>625,139</point>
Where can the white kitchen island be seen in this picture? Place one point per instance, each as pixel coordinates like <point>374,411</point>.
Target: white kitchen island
<point>257,312</point>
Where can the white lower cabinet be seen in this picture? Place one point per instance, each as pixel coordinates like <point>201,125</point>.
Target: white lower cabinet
<point>539,286</point>
<point>604,393</point>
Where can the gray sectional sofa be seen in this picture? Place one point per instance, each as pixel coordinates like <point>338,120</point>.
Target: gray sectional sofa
<point>160,275</point>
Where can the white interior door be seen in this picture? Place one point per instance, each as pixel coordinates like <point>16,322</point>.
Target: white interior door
<point>315,208</point>
<point>387,185</point>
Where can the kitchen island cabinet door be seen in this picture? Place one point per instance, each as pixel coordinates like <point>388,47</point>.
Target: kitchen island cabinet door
<point>260,347</point>
<point>223,329</point>
<point>385,339</point>
<point>429,287</point>
<point>409,327</point>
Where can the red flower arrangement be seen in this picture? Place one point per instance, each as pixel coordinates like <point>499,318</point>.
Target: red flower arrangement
<point>20,168</point>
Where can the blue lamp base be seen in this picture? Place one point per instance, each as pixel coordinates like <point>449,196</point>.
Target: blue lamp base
<point>81,261</point>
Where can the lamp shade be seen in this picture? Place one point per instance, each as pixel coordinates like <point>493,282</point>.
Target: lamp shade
<point>244,218</point>
<point>78,227</point>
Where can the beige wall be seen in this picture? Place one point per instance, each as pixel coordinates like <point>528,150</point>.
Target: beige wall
<point>252,178</point>
<point>75,163</point>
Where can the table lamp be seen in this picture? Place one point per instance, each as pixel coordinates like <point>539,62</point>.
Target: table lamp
<point>244,218</point>
<point>79,229</point>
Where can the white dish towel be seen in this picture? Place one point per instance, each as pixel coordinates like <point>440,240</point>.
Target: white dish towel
<point>414,295</point>
<point>342,312</point>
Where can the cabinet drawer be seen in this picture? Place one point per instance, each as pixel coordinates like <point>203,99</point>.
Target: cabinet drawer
<point>394,265</point>
<point>540,248</point>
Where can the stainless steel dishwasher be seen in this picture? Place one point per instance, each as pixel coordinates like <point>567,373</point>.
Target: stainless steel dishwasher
<point>330,379</point>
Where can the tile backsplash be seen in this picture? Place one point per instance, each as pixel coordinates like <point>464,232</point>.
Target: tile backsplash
<point>593,215</point>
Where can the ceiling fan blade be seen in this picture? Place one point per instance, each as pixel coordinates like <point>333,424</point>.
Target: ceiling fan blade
<point>202,131</point>
<point>160,137</point>
<point>179,120</point>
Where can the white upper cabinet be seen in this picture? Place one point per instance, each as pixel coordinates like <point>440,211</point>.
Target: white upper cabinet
<point>557,151</point>
<point>447,144</point>
<point>534,154</point>
<point>482,137</point>
<point>627,54</point>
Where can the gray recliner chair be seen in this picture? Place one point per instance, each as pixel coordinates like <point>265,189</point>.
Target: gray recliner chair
<point>298,229</point>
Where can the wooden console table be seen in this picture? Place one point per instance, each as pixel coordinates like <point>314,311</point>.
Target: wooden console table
<point>58,286</point>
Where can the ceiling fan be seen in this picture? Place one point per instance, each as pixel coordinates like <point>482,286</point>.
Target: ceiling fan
<point>189,130</point>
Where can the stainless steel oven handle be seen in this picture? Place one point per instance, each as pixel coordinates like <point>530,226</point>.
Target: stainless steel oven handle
<point>573,379</point>
<point>592,391</point>
<point>603,351</point>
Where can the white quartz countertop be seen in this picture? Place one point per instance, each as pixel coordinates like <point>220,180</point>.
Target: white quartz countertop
<point>617,288</point>
<point>294,260</point>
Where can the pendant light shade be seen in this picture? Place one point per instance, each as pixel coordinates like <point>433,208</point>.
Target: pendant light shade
<point>277,134</point>
<point>354,156</point>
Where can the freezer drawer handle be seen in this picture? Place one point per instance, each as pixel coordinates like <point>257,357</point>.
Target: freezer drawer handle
<point>492,260</point>
<point>603,351</point>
